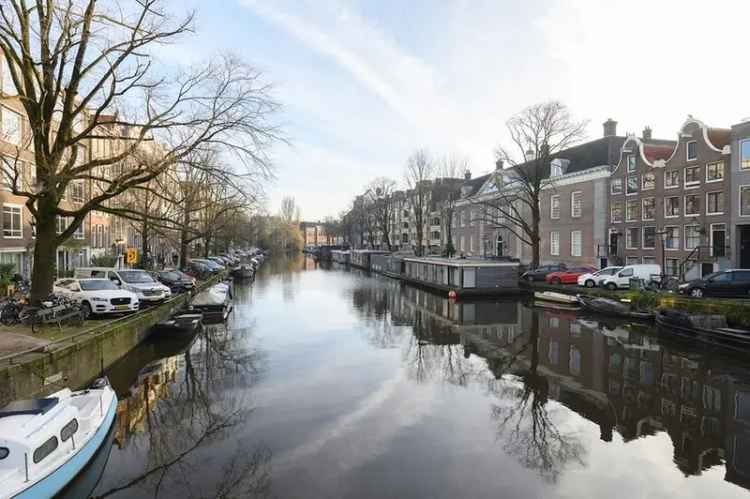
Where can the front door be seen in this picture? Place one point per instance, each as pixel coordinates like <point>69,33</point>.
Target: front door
<point>718,240</point>
<point>499,246</point>
<point>744,238</point>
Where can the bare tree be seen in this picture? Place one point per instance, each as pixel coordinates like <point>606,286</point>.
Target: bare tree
<point>451,166</point>
<point>289,210</point>
<point>419,172</point>
<point>379,199</point>
<point>538,134</point>
<point>84,71</point>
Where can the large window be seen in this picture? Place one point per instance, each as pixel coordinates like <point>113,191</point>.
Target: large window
<point>715,172</point>
<point>745,200</point>
<point>692,237</point>
<point>11,126</point>
<point>631,163</point>
<point>575,243</point>
<point>672,266</point>
<point>77,194</point>
<point>6,80</point>
<point>632,210</point>
<point>554,207</point>
<point>616,212</point>
<point>692,176</point>
<point>672,238</point>
<point>715,203</point>
<point>745,154</point>
<point>672,207</point>
<point>633,238</point>
<point>692,205</point>
<point>632,186</point>
<point>692,150</point>
<point>12,221</point>
<point>648,181</point>
<point>615,186</point>
<point>554,243</point>
<point>632,260</point>
<point>671,179</point>
<point>649,208</point>
<point>649,237</point>
<point>576,202</point>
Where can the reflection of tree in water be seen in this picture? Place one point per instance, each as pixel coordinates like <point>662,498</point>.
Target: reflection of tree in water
<point>525,422</point>
<point>205,408</point>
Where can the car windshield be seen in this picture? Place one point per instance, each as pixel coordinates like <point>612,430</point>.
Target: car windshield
<point>135,276</point>
<point>712,276</point>
<point>97,285</point>
<point>170,275</point>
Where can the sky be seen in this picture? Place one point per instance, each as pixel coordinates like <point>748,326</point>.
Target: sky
<point>363,84</point>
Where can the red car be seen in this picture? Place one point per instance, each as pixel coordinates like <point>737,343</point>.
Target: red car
<point>569,276</point>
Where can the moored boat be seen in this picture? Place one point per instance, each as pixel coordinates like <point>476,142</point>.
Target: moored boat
<point>214,303</point>
<point>551,296</point>
<point>243,271</point>
<point>184,321</point>
<point>711,329</point>
<point>46,442</point>
<point>606,306</point>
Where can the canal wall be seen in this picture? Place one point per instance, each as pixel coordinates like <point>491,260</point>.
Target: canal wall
<point>76,360</point>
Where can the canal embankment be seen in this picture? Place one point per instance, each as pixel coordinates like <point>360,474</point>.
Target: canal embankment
<point>75,355</point>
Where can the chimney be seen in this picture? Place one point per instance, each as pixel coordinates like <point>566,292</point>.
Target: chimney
<point>499,164</point>
<point>647,133</point>
<point>610,128</point>
<point>467,175</point>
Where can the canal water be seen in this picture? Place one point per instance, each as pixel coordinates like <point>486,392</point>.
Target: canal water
<point>332,383</point>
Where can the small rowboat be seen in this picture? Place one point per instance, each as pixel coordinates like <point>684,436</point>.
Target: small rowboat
<point>605,306</point>
<point>710,329</point>
<point>556,297</point>
<point>45,443</point>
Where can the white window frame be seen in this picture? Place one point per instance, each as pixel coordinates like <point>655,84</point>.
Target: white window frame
<point>580,243</point>
<point>628,244</point>
<point>554,243</point>
<point>7,138</point>
<point>552,199</point>
<point>611,213</point>
<point>679,242</point>
<point>632,260</point>
<point>572,204</point>
<point>741,145</point>
<point>684,206</point>
<point>685,236</point>
<point>627,216</point>
<point>672,186</point>
<point>739,198</point>
<point>723,172</point>
<point>695,183</point>
<point>20,221</point>
<point>629,163</point>
<point>643,237</point>
<point>676,267</point>
<point>687,150</point>
<point>643,177</point>
<point>612,184</point>
<point>643,210</point>
<point>666,205</point>
<point>707,204</point>
<point>637,185</point>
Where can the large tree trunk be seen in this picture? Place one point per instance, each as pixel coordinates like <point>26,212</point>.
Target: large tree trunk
<point>144,244</point>
<point>535,240</point>
<point>206,247</point>
<point>45,252</point>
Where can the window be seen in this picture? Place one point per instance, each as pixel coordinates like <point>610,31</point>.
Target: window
<point>575,243</point>
<point>649,260</point>
<point>692,237</point>
<point>649,208</point>
<point>554,243</point>
<point>616,212</point>
<point>436,221</point>
<point>745,155</point>
<point>631,163</point>
<point>615,186</point>
<point>692,205</point>
<point>692,151</point>
<point>672,238</point>
<point>692,176</point>
<point>6,80</point>
<point>632,210</point>
<point>672,266</point>
<point>11,126</point>
<point>69,430</point>
<point>633,238</point>
<point>672,207</point>
<point>576,202</point>
<point>76,189</point>
<point>648,181</point>
<point>632,186</point>
<point>714,172</point>
<point>12,221</point>
<point>745,200</point>
<point>715,203</point>
<point>671,179</point>
<point>630,260</point>
<point>649,238</point>
<point>556,169</point>
<point>45,449</point>
<point>554,210</point>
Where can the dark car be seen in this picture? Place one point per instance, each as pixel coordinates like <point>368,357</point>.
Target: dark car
<point>197,269</point>
<point>732,283</point>
<point>540,273</point>
<point>177,281</point>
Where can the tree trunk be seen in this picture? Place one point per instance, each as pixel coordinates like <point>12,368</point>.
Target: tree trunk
<point>45,252</point>
<point>535,242</point>
<point>144,244</point>
<point>206,246</point>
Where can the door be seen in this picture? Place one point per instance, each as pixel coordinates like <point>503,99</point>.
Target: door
<point>499,246</point>
<point>744,238</point>
<point>718,240</point>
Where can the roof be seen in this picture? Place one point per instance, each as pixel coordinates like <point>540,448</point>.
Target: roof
<point>472,186</point>
<point>657,151</point>
<point>719,137</point>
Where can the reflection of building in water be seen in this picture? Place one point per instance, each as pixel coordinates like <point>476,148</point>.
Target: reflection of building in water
<point>151,386</point>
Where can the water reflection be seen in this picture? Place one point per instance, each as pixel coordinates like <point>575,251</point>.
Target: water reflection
<point>621,377</point>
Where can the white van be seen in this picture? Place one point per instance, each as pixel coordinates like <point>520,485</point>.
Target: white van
<point>140,282</point>
<point>621,279</point>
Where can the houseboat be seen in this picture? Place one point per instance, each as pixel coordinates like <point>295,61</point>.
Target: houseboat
<point>340,256</point>
<point>465,277</point>
<point>362,258</point>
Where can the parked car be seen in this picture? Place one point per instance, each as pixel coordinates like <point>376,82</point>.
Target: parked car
<point>726,283</point>
<point>569,276</point>
<point>197,270</point>
<point>540,273</point>
<point>593,279</point>
<point>138,281</point>
<point>212,265</point>
<point>97,296</point>
<point>621,279</point>
<point>177,281</point>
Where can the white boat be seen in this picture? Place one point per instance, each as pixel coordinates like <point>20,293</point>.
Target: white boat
<point>556,297</point>
<point>45,443</point>
<point>214,303</point>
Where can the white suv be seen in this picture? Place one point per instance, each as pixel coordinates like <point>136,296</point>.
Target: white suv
<point>138,281</point>
<point>97,296</point>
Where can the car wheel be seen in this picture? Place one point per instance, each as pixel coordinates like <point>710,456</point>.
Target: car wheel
<point>86,309</point>
<point>590,283</point>
<point>612,286</point>
<point>696,293</point>
<point>556,281</point>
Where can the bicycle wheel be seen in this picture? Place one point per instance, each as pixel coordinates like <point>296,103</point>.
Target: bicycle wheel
<point>9,314</point>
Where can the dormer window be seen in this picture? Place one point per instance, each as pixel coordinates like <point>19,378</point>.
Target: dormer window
<point>631,163</point>
<point>556,169</point>
<point>692,150</point>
